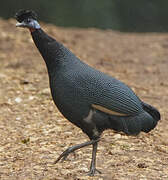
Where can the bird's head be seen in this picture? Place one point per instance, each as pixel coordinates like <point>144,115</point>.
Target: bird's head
<point>27,19</point>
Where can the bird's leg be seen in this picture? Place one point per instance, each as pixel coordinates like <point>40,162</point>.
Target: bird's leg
<point>93,162</point>
<point>64,155</point>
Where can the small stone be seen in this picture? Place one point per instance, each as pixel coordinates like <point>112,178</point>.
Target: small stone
<point>9,101</point>
<point>18,99</point>
<point>117,136</point>
<point>45,91</point>
<point>18,118</point>
<point>31,98</point>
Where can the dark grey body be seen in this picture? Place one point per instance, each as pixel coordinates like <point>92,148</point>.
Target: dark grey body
<point>75,87</point>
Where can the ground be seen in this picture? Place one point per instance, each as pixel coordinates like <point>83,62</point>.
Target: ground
<point>34,133</point>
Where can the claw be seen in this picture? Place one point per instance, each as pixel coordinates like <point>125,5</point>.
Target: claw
<point>93,171</point>
<point>63,156</point>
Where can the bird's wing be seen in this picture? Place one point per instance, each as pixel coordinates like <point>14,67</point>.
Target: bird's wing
<point>118,99</point>
<point>110,95</point>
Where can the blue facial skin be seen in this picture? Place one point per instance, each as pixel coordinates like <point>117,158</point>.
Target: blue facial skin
<point>29,23</point>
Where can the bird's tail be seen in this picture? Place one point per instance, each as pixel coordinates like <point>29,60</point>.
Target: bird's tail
<point>154,113</point>
<point>132,125</point>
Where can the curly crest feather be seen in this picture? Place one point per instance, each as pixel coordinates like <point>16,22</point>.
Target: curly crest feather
<point>21,15</point>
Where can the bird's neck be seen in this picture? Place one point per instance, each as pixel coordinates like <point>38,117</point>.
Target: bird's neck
<point>52,51</point>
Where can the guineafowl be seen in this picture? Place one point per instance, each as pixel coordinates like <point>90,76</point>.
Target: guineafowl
<point>88,98</point>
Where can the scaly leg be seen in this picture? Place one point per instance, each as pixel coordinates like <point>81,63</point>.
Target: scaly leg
<point>93,162</point>
<point>64,155</point>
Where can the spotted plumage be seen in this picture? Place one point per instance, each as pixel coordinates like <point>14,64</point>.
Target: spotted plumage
<point>88,98</point>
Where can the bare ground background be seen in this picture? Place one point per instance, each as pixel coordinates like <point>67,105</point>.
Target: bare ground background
<point>33,132</point>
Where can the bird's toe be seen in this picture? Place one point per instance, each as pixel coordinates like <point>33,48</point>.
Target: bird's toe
<point>64,155</point>
<point>93,171</point>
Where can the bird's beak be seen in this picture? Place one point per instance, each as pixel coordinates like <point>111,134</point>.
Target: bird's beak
<point>22,24</point>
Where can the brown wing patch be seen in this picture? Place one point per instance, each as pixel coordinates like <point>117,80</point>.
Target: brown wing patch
<point>108,111</point>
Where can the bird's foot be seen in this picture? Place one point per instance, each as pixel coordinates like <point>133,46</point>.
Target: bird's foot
<point>64,155</point>
<point>93,171</point>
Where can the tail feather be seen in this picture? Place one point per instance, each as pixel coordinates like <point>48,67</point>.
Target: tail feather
<point>132,125</point>
<point>152,111</point>
<point>149,124</point>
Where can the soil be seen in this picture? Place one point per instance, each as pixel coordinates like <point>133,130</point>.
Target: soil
<point>34,133</point>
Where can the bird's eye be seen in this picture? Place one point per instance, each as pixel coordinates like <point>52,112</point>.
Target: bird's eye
<point>28,20</point>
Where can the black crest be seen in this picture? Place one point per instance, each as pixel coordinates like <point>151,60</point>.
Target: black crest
<point>25,14</point>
